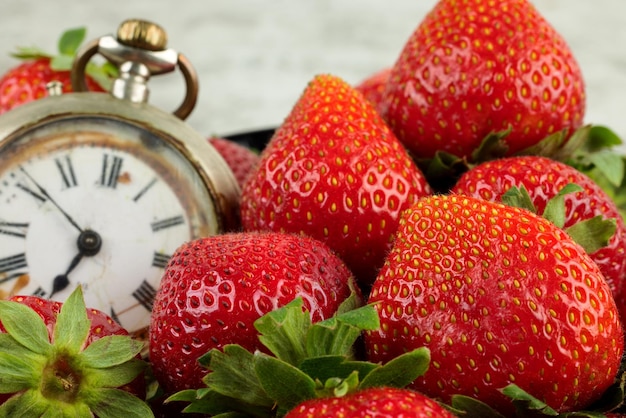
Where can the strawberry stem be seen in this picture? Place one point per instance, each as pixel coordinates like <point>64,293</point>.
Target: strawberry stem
<point>60,381</point>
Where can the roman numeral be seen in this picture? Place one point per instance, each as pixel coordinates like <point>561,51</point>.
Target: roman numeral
<point>39,292</point>
<point>67,171</point>
<point>144,190</point>
<point>114,316</point>
<point>10,264</point>
<point>111,168</point>
<point>167,223</point>
<point>34,194</point>
<point>15,229</point>
<point>145,295</point>
<point>160,260</point>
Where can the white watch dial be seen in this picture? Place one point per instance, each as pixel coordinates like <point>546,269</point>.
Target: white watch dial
<point>97,208</point>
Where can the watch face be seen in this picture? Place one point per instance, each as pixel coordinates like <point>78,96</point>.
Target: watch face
<point>100,202</point>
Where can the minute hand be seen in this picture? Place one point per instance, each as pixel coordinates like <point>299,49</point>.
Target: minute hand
<point>45,193</point>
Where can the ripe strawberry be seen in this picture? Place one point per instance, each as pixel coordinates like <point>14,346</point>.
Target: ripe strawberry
<point>543,178</point>
<point>373,87</point>
<point>499,295</point>
<point>474,67</point>
<point>334,171</point>
<point>214,289</point>
<point>305,361</point>
<point>240,159</point>
<point>27,81</point>
<point>61,359</point>
<point>383,402</point>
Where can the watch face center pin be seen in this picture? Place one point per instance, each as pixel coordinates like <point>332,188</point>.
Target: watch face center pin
<point>89,242</point>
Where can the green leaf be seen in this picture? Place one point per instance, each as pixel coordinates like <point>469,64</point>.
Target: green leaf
<point>217,405</point>
<point>187,395</point>
<point>30,52</point>
<point>27,405</point>
<point>26,326</point>
<point>492,147</point>
<point>19,372</point>
<point>61,62</point>
<point>593,234</point>
<point>9,345</point>
<point>596,156</point>
<point>365,318</point>
<point>72,327</point>
<point>111,351</point>
<point>284,383</point>
<point>555,208</point>
<point>331,338</point>
<point>400,371</point>
<point>610,164</point>
<point>70,41</point>
<point>337,335</point>
<point>283,331</point>
<point>336,388</point>
<point>518,197</point>
<point>547,147</point>
<point>473,408</point>
<point>119,375</point>
<point>352,302</point>
<point>327,367</point>
<point>525,401</point>
<point>233,374</point>
<point>601,137</point>
<point>443,170</point>
<point>115,403</point>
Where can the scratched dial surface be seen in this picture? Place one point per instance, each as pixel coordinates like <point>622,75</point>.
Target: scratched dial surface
<point>129,188</point>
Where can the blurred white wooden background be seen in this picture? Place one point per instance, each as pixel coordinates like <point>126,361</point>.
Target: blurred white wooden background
<point>254,57</point>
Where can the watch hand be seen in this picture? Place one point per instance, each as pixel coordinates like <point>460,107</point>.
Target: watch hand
<point>88,243</point>
<point>61,281</point>
<point>45,193</point>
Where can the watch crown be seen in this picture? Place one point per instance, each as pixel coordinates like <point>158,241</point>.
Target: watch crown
<point>142,34</point>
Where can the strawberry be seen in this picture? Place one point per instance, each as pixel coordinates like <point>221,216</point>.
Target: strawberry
<point>61,359</point>
<point>305,361</point>
<point>475,67</point>
<point>543,178</point>
<point>28,81</point>
<point>373,86</point>
<point>382,402</point>
<point>334,171</point>
<point>214,288</point>
<point>498,295</point>
<point>240,159</point>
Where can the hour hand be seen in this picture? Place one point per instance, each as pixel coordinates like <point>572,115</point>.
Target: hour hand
<point>89,244</point>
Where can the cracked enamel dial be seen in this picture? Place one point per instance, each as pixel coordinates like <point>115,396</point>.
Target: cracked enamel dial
<point>101,202</point>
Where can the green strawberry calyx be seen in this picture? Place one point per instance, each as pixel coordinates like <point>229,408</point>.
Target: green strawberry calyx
<point>68,45</point>
<point>527,405</point>
<point>310,360</point>
<point>58,375</point>
<point>590,149</point>
<point>592,234</point>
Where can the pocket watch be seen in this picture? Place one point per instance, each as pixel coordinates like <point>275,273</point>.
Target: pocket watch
<point>99,189</point>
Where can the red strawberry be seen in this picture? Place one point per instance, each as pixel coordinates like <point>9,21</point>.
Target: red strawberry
<point>373,87</point>
<point>27,81</point>
<point>240,159</point>
<point>334,171</point>
<point>383,402</point>
<point>543,178</point>
<point>63,358</point>
<point>214,289</point>
<point>473,67</point>
<point>499,295</point>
